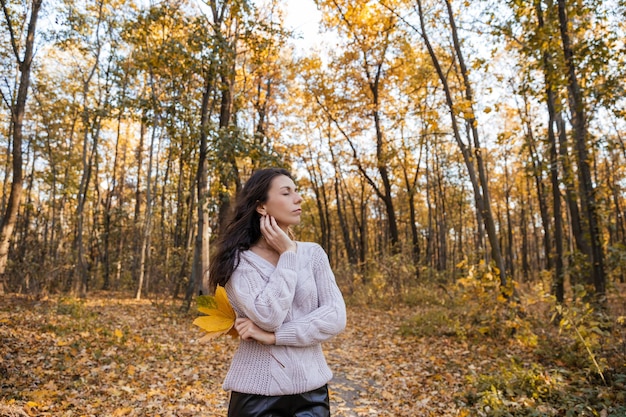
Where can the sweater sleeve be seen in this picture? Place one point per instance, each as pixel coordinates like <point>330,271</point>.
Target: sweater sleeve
<point>264,301</point>
<point>326,321</point>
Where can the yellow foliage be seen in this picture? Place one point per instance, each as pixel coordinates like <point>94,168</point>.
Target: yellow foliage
<point>217,321</point>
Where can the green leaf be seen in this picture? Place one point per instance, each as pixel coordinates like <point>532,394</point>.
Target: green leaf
<point>206,301</point>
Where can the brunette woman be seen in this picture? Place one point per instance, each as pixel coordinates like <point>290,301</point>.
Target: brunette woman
<point>286,299</point>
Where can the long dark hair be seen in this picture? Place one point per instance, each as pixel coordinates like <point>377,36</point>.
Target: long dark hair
<point>243,228</point>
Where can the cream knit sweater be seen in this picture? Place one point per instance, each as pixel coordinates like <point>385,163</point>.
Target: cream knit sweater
<point>300,302</point>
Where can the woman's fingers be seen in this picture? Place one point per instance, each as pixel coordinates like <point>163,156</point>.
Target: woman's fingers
<point>273,223</point>
<point>246,328</point>
<point>249,331</point>
<point>243,328</point>
<point>274,235</point>
<point>268,229</point>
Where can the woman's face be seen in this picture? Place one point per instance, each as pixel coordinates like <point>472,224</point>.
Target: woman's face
<point>283,202</point>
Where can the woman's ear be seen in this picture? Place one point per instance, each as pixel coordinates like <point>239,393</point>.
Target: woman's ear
<point>261,210</point>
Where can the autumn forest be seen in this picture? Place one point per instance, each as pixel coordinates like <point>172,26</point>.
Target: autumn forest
<point>463,163</point>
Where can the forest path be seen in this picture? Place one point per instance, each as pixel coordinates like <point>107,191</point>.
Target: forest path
<point>113,356</point>
<point>379,372</point>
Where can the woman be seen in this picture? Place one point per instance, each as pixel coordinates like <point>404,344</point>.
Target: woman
<point>286,299</point>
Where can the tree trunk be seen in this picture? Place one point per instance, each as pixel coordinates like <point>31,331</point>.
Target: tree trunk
<point>200,262</point>
<point>548,70</point>
<point>537,169</point>
<point>188,237</point>
<point>146,229</point>
<point>89,156</point>
<point>360,216</point>
<point>382,164</point>
<point>341,212</point>
<point>411,187</point>
<point>363,206</point>
<point>441,223</point>
<point>579,122</point>
<point>430,233</point>
<point>571,196</point>
<point>559,273</point>
<point>620,228</point>
<point>525,244</point>
<point>112,191</point>
<point>17,121</point>
<point>321,200</point>
<point>90,128</point>
<point>137,231</point>
<point>385,195</point>
<point>479,183</point>
<point>486,212</point>
<point>230,175</point>
<point>182,201</point>
<point>509,221</point>
<point>28,283</point>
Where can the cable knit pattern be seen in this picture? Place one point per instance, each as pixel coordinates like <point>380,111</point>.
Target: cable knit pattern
<point>300,302</point>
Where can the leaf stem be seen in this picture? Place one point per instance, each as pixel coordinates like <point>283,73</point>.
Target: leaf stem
<point>593,358</point>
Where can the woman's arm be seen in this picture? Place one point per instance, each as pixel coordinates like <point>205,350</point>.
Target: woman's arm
<point>267,302</point>
<point>250,331</point>
<point>264,301</point>
<point>328,320</point>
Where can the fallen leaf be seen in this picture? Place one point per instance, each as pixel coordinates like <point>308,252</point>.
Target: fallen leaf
<point>219,320</point>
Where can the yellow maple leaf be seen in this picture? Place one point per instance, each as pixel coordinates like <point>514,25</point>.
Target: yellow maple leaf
<point>219,320</point>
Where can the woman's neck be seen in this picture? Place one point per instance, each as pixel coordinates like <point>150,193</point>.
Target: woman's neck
<point>263,245</point>
<point>265,251</point>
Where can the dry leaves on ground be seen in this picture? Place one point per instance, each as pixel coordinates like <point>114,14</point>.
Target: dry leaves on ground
<point>119,357</point>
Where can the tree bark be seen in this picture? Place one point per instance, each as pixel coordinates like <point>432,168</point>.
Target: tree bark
<point>341,212</point>
<point>18,110</point>
<point>230,175</point>
<point>548,70</point>
<point>509,221</point>
<point>200,262</point>
<point>146,228</point>
<point>579,122</point>
<point>360,217</point>
<point>430,256</point>
<point>373,81</point>
<point>441,223</point>
<point>525,244</point>
<point>486,211</point>
<point>321,201</point>
<point>385,195</point>
<point>382,161</point>
<point>411,188</point>
<point>479,182</point>
<point>537,170</point>
<point>112,193</point>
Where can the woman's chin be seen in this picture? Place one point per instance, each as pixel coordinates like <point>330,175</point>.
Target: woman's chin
<point>287,225</point>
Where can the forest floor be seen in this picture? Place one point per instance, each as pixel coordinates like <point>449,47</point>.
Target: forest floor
<point>114,356</point>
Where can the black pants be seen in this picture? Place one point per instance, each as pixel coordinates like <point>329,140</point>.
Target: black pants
<point>308,404</point>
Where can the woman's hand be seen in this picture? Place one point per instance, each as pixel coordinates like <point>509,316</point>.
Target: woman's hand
<point>276,237</point>
<point>250,331</point>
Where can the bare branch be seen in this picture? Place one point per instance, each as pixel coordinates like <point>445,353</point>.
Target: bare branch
<point>16,51</point>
